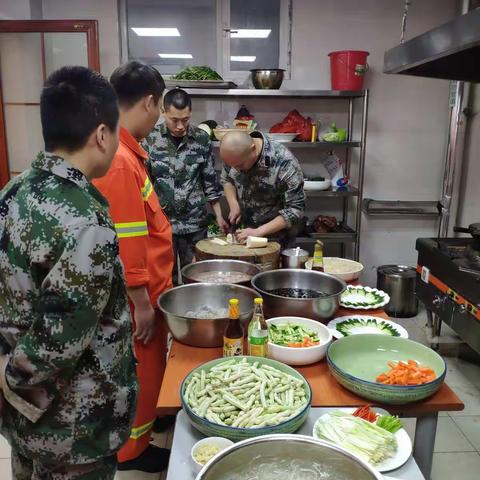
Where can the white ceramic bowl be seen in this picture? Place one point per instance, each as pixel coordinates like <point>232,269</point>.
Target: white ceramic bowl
<point>282,137</point>
<point>221,132</point>
<point>300,356</point>
<point>220,442</point>
<point>316,185</point>
<point>352,269</point>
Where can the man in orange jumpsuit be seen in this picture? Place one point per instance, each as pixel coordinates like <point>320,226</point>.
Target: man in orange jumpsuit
<point>145,239</point>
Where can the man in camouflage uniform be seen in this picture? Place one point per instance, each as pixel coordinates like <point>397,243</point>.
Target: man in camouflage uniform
<point>263,185</point>
<point>182,167</point>
<point>67,366</point>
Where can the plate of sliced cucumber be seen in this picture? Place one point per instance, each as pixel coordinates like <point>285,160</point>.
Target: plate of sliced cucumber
<point>358,324</point>
<point>363,298</point>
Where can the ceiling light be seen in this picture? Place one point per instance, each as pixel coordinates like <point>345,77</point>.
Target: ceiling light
<point>242,58</point>
<point>156,32</point>
<point>175,55</point>
<point>249,33</point>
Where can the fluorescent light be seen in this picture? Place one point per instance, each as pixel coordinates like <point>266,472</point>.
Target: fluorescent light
<point>175,55</point>
<point>249,33</point>
<point>242,59</point>
<point>156,32</point>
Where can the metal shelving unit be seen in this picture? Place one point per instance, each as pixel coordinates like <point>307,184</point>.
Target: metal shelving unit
<point>346,232</point>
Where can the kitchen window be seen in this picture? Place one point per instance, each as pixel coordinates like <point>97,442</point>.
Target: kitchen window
<point>231,36</point>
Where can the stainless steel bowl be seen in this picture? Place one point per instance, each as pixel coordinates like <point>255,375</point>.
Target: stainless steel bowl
<point>294,258</point>
<point>322,308</point>
<point>189,272</point>
<point>279,452</point>
<point>203,332</point>
<point>267,79</point>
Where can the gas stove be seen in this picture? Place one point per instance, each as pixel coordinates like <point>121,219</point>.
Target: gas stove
<point>448,284</point>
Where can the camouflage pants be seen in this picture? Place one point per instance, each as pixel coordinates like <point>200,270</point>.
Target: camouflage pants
<point>26,469</point>
<point>184,250</point>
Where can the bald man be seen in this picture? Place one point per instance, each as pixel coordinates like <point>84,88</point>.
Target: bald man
<point>263,185</point>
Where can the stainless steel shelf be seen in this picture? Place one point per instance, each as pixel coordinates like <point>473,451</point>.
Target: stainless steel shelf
<point>351,192</point>
<point>343,234</point>
<point>314,145</point>
<point>240,92</point>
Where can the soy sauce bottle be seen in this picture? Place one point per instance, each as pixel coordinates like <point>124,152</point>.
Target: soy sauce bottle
<point>233,336</point>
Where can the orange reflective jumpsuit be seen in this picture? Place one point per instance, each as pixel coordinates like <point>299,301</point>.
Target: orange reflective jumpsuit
<point>145,239</point>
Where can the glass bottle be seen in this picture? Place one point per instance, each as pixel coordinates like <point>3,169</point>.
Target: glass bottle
<point>258,331</point>
<point>318,257</point>
<point>233,336</point>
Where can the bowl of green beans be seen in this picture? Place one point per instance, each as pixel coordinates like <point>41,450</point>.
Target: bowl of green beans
<point>244,397</point>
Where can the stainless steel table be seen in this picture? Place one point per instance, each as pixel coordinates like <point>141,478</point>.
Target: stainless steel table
<point>185,436</point>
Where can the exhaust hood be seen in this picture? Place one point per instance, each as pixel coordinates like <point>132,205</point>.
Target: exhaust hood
<point>450,51</point>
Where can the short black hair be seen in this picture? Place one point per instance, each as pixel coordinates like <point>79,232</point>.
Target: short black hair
<point>134,80</point>
<point>74,102</point>
<point>178,98</point>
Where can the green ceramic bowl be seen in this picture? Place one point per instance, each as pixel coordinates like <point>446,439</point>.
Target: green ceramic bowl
<point>211,429</point>
<point>356,361</point>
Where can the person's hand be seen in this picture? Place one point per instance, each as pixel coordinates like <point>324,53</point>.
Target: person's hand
<point>235,214</point>
<point>224,227</point>
<point>243,234</point>
<point>145,324</point>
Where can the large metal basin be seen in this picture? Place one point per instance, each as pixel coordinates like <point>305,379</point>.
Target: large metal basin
<point>189,272</point>
<point>322,308</point>
<point>278,453</point>
<point>203,332</point>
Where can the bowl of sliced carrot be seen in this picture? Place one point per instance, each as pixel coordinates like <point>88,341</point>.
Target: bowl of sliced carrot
<point>389,370</point>
<point>297,340</point>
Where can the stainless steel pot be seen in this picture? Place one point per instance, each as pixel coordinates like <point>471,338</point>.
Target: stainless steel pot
<point>267,79</point>
<point>189,272</point>
<point>203,332</point>
<point>294,258</point>
<point>322,308</point>
<point>279,452</point>
<point>399,282</point>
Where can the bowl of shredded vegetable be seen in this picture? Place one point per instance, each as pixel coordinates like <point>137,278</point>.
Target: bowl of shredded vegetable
<point>297,340</point>
<point>386,369</point>
<point>205,449</point>
<point>243,397</point>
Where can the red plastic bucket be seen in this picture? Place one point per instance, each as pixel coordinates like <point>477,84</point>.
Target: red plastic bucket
<point>347,68</point>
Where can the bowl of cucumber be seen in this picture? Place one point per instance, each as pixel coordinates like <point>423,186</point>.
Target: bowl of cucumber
<point>244,397</point>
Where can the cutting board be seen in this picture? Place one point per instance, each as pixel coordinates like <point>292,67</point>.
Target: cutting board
<point>267,258</point>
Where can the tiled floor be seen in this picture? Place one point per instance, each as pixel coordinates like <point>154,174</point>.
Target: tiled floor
<point>457,446</point>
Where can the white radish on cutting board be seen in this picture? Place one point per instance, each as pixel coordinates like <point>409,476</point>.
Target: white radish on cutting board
<point>256,242</point>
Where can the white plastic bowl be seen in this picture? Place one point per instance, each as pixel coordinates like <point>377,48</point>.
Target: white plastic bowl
<point>220,442</point>
<point>353,272</point>
<point>300,356</point>
<point>316,185</point>
<point>282,137</point>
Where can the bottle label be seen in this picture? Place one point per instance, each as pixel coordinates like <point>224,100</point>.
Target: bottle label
<point>258,343</point>
<point>232,347</point>
<point>258,350</point>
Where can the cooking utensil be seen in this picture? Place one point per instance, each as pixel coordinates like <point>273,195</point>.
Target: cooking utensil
<point>356,361</point>
<point>236,433</point>
<point>296,355</point>
<point>473,229</point>
<point>335,461</point>
<point>294,258</point>
<point>321,308</point>
<point>203,332</point>
<point>189,272</point>
<point>267,79</point>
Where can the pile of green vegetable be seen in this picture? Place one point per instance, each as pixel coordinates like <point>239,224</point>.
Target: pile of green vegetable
<point>245,395</point>
<point>197,73</point>
<point>288,334</point>
<point>335,135</point>
<point>368,440</point>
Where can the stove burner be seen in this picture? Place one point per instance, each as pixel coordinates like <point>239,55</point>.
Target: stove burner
<point>472,254</point>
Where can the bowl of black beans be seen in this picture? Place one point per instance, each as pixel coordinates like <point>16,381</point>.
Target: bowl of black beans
<point>300,293</point>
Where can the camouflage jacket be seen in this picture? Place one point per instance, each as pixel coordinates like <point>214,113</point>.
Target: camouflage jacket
<point>184,178</point>
<point>65,327</point>
<point>272,187</point>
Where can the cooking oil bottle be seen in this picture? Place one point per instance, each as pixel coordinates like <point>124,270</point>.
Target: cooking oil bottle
<point>233,336</point>
<point>318,257</point>
<point>258,331</point>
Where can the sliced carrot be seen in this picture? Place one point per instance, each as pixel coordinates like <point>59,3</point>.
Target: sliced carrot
<point>406,373</point>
